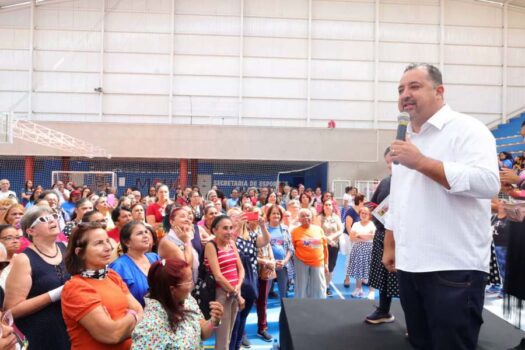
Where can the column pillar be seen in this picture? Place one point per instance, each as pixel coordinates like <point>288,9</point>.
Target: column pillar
<point>29,168</point>
<point>183,173</point>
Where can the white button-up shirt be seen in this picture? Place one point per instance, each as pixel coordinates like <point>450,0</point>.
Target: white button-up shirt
<point>436,229</point>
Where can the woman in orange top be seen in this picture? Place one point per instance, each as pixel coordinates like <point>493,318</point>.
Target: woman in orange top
<point>99,311</point>
<point>311,258</point>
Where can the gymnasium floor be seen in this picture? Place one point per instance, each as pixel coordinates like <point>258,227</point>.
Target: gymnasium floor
<point>492,304</point>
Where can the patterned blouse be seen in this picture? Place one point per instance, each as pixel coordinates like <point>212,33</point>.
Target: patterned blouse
<point>249,248</point>
<point>155,332</point>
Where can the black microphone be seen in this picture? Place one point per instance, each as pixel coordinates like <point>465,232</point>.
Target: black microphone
<point>402,122</point>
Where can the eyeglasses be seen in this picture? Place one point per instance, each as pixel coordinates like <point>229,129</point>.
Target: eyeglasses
<point>44,219</point>
<point>11,238</point>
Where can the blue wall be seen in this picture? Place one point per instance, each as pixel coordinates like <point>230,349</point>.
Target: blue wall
<point>227,175</point>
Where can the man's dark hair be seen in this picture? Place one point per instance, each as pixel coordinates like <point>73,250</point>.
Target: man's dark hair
<point>433,72</point>
<point>523,124</point>
<point>116,212</point>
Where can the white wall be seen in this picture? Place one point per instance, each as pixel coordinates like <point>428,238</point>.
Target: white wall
<point>279,64</point>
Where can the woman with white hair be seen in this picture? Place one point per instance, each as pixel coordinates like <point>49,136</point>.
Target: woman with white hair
<point>310,257</point>
<point>34,286</point>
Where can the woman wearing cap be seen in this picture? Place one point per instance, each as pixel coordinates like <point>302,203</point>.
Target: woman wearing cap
<point>34,286</point>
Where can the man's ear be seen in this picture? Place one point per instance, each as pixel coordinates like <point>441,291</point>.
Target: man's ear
<point>77,251</point>
<point>440,90</point>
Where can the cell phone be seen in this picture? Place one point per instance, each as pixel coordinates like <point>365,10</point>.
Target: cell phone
<point>252,216</point>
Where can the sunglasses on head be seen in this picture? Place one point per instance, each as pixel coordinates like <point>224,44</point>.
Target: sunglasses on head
<point>44,219</point>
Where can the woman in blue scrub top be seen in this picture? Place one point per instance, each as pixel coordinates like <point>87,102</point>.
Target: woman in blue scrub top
<point>134,265</point>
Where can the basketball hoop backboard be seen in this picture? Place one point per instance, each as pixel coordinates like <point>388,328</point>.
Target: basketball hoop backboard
<point>6,127</point>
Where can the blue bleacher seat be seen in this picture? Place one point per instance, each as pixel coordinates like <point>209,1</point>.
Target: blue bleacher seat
<point>508,136</point>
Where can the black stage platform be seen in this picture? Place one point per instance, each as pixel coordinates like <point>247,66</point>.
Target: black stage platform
<point>338,324</point>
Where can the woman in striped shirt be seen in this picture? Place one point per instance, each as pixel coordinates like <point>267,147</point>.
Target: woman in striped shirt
<point>223,260</point>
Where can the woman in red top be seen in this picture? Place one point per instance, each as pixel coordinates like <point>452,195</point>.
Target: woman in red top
<point>156,211</point>
<point>223,260</point>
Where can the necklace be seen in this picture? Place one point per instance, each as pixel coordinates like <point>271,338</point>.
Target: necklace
<point>44,254</point>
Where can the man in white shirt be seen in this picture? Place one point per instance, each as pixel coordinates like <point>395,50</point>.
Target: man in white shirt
<point>62,192</point>
<point>4,190</point>
<point>438,224</point>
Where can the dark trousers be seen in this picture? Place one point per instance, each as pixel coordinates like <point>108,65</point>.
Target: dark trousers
<point>385,301</point>
<point>240,324</point>
<point>443,309</point>
<point>262,301</point>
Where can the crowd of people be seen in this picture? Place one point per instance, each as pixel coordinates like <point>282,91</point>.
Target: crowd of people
<point>89,269</point>
<point>106,272</point>
<point>508,161</point>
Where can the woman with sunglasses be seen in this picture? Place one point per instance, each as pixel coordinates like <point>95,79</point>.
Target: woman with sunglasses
<point>99,310</point>
<point>172,318</point>
<point>34,286</point>
<point>134,264</point>
<point>10,238</point>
